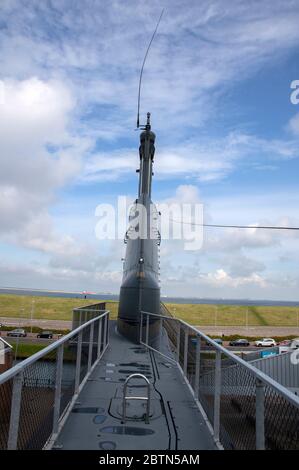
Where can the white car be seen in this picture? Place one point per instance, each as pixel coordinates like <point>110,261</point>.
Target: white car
<point>265,342</point>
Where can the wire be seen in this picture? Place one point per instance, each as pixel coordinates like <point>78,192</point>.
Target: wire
<point>264,227</point>
<point>141,71</point>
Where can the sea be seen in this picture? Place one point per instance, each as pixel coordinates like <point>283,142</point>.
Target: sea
<point>165,299</point>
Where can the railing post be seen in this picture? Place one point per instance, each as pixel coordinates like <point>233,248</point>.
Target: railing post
<point>58,381</point>
<point>99,338</point>
<point>107,327</point>
<point>78,362</point>
<point>186,352</point>
<point>12,442</point>
<point>147,329</point>
<point>217,395</point>
<point>141,327</point>
<point>90,348</point>
<point>160,333</point>
<point>197,366</point>
<point>260,415</point>
<point>178,341</point>
<point>105,331</point>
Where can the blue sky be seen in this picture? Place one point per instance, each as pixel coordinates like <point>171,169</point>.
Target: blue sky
<point>217,83</point>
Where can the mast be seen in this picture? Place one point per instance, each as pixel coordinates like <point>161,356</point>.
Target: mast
<point>146,153</point>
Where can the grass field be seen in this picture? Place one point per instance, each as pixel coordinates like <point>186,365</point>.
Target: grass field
<point>235,315</point>
<point>25,350</point>
<point>47,308</point>
<point>60,308</point>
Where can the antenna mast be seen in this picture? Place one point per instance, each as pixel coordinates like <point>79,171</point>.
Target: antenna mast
<point>144,60</point>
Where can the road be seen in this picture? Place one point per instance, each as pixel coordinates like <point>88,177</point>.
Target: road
<point>45,324</point>
<point>256,331</point>
<point>29,339</point>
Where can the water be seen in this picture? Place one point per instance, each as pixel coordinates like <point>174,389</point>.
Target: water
<point>177,300</point>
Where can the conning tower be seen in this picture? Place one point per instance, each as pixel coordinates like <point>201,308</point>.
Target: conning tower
<point>140,284</point>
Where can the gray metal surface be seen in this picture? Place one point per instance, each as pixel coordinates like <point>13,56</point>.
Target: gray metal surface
<point>281,368</point>
<point>96,420</point>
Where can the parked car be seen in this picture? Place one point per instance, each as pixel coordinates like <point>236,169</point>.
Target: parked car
<point>239,342</point>
<point>288,345</point>
<point>17,333</point>
<point>45,334</point>
<point>218,340</point>
<point>265,342</point>
<point>285,342</point>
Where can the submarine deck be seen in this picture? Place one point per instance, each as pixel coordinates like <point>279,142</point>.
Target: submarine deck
<point>95,421</point>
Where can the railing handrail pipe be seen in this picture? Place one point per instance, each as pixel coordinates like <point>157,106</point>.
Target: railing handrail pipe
<point>291,397</point>
<point>10,373</point>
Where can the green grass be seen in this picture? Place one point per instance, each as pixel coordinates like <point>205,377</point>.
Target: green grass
<point>60,308</point>
<point>26,350</point>
<point>234,315</point>
<point>46,308</point>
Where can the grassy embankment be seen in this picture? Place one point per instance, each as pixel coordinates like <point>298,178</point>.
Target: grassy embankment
<point>235,315</point>
<point>45,308</point>
<point>60,308</point>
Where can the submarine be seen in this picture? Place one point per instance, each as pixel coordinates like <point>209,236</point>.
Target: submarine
<point>140,290</point>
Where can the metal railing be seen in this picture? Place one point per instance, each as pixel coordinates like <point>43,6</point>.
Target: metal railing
<point>37,394</point>
<point>243,407</point>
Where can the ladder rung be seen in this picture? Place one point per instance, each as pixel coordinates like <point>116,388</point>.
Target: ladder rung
<point>136,398</point>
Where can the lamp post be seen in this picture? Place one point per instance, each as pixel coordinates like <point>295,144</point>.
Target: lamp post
<point>18,338</point>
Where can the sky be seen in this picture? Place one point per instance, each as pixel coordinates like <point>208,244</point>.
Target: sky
<point>218,85</point>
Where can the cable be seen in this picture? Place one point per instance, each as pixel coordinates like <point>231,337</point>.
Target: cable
<point>264,227</point>
<point>141,71</point>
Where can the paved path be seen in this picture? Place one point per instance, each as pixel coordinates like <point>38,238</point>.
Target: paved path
<point>45,324</point>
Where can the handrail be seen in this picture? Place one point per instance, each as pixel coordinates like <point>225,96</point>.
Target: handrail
<point>9,374</point>
<point>256,372</point>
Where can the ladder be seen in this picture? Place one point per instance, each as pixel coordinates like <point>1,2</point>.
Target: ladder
<point>147,398</point>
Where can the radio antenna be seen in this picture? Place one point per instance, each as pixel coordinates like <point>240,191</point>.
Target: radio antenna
<point>144,60</point>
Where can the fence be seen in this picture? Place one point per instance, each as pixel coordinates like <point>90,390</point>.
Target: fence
<point>245,408</point>
<point>37,394</point>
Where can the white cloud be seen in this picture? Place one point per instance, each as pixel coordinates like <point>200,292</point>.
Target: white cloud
<point>200,50</point>
<point>221,278</point>
<point>206,160</point>
<point>38,153</point>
